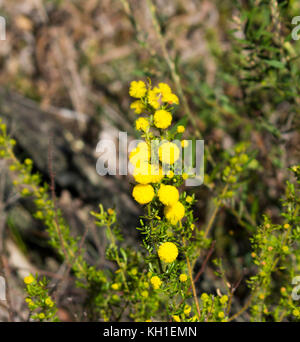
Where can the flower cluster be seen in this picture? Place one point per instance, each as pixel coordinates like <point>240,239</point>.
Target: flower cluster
<point>168,252</point>
<point>154,167</point>
<point>158,172</point>
<point>157,100</point>
<point>40,304</point>
<point>157,97</point>
<point>156,282</point>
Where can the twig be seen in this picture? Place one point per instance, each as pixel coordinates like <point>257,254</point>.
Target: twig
<point>212,247</point>
<point>192,281</point>
<point>172,67</point>
<point>243,309</point>
<point>214,214</point>
<point>199,273</point>
<point>233,289</point>
<point>52,189</point>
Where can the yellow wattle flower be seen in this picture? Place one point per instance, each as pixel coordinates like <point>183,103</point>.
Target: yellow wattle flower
<point>164,88</point>
<point>29,280</point>
<point>224,299</point>
<point>189,199</point>
<point>138,106</point>
<point>49,302</point>
<point>156,282</point>
<point>137,89</point>
<point>42,315</point>
<point>185,176</point>
<point>168,194</point>
<point>162,119</point>
<point>174,213</point>
<point>166,94</point>
<point>184,143</point>
<point>154,99</point>
<point>171,99</point>
<point>183,277</point>
<point>156,174</point>
<point>145,294</point>
<point>167,252</point>
<point>145,173</point>
<point>187,309</point>
<point>176,318</point>
<point>143,194</point>
<point>142,124</point>
<point>115,286</point>
<point>140,154</point>
<point>180,129</point>
<point>142,173</point>
<point>170,174</point>
<point>168,153</point>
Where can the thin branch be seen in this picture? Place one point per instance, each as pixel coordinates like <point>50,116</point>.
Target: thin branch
<point>52,189</point>
<point>172,67</point>
<point>202,269</point>
<point>192,281</point>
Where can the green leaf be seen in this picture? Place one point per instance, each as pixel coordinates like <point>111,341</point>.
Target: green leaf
<point>124,255</point>
<point>275,64</point>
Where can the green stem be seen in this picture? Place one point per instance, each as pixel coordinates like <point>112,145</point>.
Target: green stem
<point>192,281</point>
<point>214,214</point>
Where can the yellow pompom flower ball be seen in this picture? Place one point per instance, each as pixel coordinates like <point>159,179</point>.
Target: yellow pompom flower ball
<point>296,312</point>
<point>224,299</point>
<point>174,213</point>
<point>168,252</point>
<point>187,309</point>
<point>143,193</point>
<point>142,146</point>
<point>142,173</point>
<point>189,199</point>
<point>137,89</point>
<point>180,129</point>
<point>185,176</point>
<point>170,174</point>
<point>183,277</point>
<point>166,93</point>
<point>170,98</point>
<point>140,154</point>
<point>184,143</point>
<point>176,318</point>
<point>138,106</point>
<point>163,88</point>
<point>145,294</point>
<point>110,211</point>
<point>156,282</point>
<point>146,173</point>
<point>204,297</point>
<point>153,99</point>
<point>285,249</point>
<point>162,119</point>
<point>156,174</point>
<point>142,124</point>
<point>168,153</point>
<point>168,194</point>
<point>49,302</point>
<point>42,315</point>
<point>29,280</point>
<point>115,286</point>
<point>221,314</point>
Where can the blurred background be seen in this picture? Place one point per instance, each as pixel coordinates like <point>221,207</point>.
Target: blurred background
<point>65,70</point>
